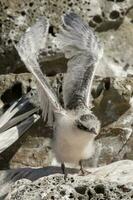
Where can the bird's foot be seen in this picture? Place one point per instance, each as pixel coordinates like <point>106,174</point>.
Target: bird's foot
<point>84,172</point>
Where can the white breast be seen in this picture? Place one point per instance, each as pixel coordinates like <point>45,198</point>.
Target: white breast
<point>71,144</point>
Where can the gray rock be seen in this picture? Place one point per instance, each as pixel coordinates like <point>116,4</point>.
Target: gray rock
<point>8,177</point>
<point>114,181</point>
<point>111,98</point>
<point>13,86</point>
<point>117,60</point>
<point>103,16</point>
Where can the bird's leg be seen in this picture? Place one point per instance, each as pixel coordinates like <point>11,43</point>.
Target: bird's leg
<point>64,170</point>
<point>81,168</point>
<point>83,172</point>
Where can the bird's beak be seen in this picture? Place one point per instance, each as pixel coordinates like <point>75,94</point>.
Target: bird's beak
<point>93,131</point>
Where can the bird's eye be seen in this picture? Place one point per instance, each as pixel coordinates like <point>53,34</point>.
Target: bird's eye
<point>81,126</point>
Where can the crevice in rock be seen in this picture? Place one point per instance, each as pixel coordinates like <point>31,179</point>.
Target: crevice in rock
<point>51,30</point>
<point>114,14</point>
<point>28,89</point>
<point>31,4</point>
<point>107,83</point>
<point>90,195</point>
<point>108,25</point>
<point>97,19</point>
<point>12,94</point>
<point>81,190</point>
<point>117,1</point>
<point>23,13</point>
<point>99,189</point>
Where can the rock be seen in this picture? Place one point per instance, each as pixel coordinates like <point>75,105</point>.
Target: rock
<point>114,181</point>
<point>111,98</point>
<point>8,177</point>
<point>115,139</point>
<point>117,61</point>
<point>13,86</point>
<point>103,16</point>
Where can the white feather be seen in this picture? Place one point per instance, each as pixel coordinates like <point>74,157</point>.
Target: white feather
<point>28,48</point>
<point>11,128</point>
<point>8,137</point>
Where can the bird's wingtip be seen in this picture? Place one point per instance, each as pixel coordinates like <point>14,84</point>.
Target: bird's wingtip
<point>70,16</point>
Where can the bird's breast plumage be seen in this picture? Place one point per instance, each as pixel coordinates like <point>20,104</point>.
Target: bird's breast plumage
<point>71,144</point>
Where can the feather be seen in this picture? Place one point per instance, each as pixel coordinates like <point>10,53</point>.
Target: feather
<point>11,111</point>
<point>8,137</point>
<point>82,48</point>
<point>13,124</point>
<point>18,119</point>
<point>28,48</point>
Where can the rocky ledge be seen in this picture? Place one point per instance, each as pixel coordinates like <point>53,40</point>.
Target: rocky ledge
<point>112,20</point>
<point>113,181</point>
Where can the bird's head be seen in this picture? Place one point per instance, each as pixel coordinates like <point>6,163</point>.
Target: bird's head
<point>88,123</point>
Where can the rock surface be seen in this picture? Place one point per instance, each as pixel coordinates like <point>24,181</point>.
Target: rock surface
<point>111,19</point>
<point>117,60</point>
<point>114,181</point>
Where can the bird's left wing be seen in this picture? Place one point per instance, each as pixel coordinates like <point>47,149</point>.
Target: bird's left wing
<point>29,48</point>
<point>82,48</point>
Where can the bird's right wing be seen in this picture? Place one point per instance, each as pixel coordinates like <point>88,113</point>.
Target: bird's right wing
<point>82,48</point>
<point>28,48</point>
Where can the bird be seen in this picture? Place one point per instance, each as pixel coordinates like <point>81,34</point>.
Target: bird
<point>75,126</point>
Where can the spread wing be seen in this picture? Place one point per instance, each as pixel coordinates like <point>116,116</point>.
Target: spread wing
<point>83,50</point>
<point>29,48</point>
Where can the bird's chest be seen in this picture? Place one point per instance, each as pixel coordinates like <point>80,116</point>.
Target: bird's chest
<point>71,137</point>
<point>71,144</point>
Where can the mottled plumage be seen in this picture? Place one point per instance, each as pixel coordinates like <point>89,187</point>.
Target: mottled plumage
<point>81,46</point>
<point>75,126</point>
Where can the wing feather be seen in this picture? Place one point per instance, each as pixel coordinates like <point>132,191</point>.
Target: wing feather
<point>11,135</point>
<point>82,48</point>
<point>14,123</point>
<point>28,48</point>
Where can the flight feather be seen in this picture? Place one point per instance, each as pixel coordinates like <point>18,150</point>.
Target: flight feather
<point>29,47</point>
<point>81,46</point>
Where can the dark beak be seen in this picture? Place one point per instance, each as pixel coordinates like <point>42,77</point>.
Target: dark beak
<point>93,131</point>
